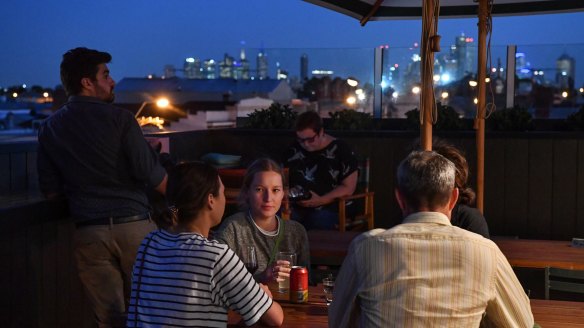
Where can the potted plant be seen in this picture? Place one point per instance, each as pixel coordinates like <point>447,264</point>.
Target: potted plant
<point>276,116</point>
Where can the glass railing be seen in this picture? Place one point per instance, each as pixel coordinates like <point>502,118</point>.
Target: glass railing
<point>547,80</point>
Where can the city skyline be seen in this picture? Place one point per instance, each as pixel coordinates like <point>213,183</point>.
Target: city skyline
<point>144,36</point>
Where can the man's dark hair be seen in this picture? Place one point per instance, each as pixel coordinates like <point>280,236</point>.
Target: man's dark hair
<point>80,63</point>
<point>309,120</point>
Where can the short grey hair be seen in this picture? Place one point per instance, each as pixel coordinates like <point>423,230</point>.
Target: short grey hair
<point>426,179</point>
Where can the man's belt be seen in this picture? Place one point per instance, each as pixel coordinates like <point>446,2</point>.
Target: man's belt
<point>113,220</point>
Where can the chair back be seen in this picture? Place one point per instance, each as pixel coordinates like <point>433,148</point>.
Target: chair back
<point>564,280</point>
<point>363,176</point>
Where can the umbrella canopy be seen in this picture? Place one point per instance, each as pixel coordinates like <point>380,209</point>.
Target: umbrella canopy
<point>429,11</point>
<point>412,9</point>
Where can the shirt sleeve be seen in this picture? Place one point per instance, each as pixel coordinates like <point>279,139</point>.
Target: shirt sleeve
<point>348,160</point>
<point>510,305</point>
<point>343,311</point>
<point>237,289</point>
<point>143,159</point>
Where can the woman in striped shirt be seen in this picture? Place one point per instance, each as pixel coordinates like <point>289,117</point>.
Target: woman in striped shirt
<point>181,278</point>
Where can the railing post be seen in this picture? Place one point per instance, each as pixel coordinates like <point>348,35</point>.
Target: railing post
<point>377,78</point>
<point>510,77</point>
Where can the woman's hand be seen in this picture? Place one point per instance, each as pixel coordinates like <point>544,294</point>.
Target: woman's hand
<point>281,270</point>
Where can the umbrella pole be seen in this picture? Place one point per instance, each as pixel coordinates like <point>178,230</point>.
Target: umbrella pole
<point>427,74</point>
<point>481,106</point>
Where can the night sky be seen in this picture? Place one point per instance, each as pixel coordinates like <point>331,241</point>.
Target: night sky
<point>145,35</point>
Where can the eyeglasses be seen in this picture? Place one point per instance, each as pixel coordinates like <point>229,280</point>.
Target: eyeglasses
<point>307,140</point>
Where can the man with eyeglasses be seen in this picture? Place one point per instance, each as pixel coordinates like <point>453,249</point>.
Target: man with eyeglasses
<point>321,169</point>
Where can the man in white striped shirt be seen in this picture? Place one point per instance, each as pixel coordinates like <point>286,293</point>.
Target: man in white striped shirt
<point>426,272</point>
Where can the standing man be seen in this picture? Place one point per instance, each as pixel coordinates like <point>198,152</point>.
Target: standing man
<point>96,156</point>
<point>426,272</point>
<point>323,168</point>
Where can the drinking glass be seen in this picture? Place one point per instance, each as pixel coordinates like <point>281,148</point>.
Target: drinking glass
<point>328,285</point>
<point>250,258</point>
<point>290,257</point>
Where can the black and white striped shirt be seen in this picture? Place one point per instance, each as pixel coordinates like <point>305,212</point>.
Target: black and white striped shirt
<point>186,280</point>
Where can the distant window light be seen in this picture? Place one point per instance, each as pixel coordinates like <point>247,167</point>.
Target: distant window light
<point>564,73</point>
<point>322,72</point>
<point>519,54</point>
<point>190,60</point>
<point>24,86</point>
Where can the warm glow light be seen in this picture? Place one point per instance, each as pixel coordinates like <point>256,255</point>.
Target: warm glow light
<point>45,94</point>
<point>359,91</point>
<point>14,95</point>
<point>352,82</point>
<point>351,100</point>
<point>162,103</point>
<point>361,96</point>
<point>444,95</point>
<point>581,90</point>
<point>564,94</point>
<point>436,77</point>
<point>472,83</point>
<point>157,121</point>
<point>416,90</point>
<point>476,101</point>
<point>487,79</point>
<point>395,94</point>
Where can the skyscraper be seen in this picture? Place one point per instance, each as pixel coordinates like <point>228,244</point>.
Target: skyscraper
<point>226,67</point>
<point>192,68</point>
<point>242,67</point>
<point>465,56</point>
<point>565,72</point>
<point>303,68</point>
<point>209,69</point>
<point>262,65</point>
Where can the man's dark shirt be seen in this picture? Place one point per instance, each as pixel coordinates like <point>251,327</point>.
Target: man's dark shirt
<point>96,155</point>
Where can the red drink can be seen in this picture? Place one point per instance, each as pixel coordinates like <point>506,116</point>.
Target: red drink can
<point>299,284</point>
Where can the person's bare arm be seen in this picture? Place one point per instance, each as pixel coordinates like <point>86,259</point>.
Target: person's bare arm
<point>346,188</point>
<point>274,317</point>
<point>161,188</point>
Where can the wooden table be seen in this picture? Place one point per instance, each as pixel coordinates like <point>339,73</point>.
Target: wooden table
<point>547,313</point>
<point>530,253</point>
<point>305,315</point>
<point>551,314</point>
<point>330,248</point>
